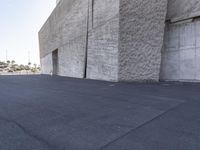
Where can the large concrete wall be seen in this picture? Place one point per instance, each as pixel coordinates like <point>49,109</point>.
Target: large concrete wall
<point>106,39</point>
<point>124,45</point>
<point>102,61</point>
<point>183,9</point>
<point>142,25</point>
<point>181,52</point>
<point>66,30</point>
<point>47,64</point>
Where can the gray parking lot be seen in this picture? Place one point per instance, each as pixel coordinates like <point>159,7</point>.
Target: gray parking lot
<point>56,113</point>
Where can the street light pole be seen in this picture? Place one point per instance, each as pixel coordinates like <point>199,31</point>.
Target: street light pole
<point>6,55</point>
<point>29,57</point>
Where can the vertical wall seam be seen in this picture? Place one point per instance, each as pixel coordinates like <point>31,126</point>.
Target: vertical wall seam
<point>86,47</point>
<point>92,13</point>
<point>179,51</point>
<point>195,37</point>
<point>119,42</point>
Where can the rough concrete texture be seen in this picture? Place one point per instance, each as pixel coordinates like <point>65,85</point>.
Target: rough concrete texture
<point>121,40</point>
<point>66,30</point>
<point>106,39</point>
<point>119,47</point>
<point>46,64</point>
<point>102,55</point>
<point>142,25</point>
<point>183,9</point>
<point>181,53</point>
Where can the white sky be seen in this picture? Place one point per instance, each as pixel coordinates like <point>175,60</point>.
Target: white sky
<point>20,21</point>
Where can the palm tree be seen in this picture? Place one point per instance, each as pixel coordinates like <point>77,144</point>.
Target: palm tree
<point>8,62</point>
<point>12,62</point>
<point>22,67</point>
<point>35,66</point>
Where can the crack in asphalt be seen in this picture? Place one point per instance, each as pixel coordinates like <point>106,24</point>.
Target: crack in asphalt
<point>140,126</point>
<point>37,138</point>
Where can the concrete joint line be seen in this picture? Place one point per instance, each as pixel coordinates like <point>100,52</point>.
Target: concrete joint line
<point>86,47</point>
<point>92,14</point>
<point>40,140</point>
<point>140,126</point>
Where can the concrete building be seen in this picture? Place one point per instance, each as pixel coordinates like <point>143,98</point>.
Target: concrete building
<point>122,40</point>
<point>57,1</point>
<point>181,50</point>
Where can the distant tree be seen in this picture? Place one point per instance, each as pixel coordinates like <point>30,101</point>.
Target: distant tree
<point>15,67</point>
<point>38,68</point>
<point>22,67</point>
<point>3,65</point>
<point>29,63</point>
<point>12,62</point>
<point>35,66</point>
<point>8,62</point>
<point>27,67</point>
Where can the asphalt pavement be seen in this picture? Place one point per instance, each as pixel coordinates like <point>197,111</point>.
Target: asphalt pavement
<point>58,113</point>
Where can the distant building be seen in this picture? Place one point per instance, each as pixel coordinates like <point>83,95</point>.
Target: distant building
<point>120,40</point>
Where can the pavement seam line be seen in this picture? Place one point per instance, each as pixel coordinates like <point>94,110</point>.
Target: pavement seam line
<point>40,140</point>
<point>140,126</point>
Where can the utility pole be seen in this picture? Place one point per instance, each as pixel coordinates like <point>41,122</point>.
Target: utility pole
<point>6,55</point>
<point>29,57</point>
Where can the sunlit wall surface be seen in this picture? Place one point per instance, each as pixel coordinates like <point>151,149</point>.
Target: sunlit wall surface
<point>57,1</point>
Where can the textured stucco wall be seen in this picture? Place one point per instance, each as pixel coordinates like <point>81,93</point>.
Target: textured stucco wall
<point>66,30</point>
<point>142,25</point>
<point>181,52</point>
<point>46,64</point>
<point>106,39</point>
<point>102,61</point>
<point>183,9</point>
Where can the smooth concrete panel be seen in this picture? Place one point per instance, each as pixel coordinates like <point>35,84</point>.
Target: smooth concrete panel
<point>102,61</point>
<point>183,9</point>
<point>102,55</point>
<point>50,35</point>
<point>172,41</point>
<point>66,29</point>
<point>170,68</point>
<point>47,64</point>
<point>142,25</point>
<point>104,11</point>
<point>197,33</point>
<point>44,35</point>
<point>187,37</point>
<point>75,22</point>
<point>187,64</point>
<point>71,59</point>
<point>197,64</point>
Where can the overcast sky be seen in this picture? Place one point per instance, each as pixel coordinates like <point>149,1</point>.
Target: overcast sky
<point>20,21</point>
